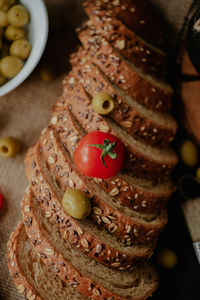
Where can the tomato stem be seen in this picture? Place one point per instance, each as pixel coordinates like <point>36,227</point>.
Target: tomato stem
<point>107,149</point>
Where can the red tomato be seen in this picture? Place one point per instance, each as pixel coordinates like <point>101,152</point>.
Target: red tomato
<point>99,155</point>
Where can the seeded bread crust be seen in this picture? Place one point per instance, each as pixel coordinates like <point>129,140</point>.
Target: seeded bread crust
<point>117,222</point>
<point>63,268</point>
<point>142,54</point>
<point>124,114</point>
<point>136,162</point>
<point>130,195</point>
<point>142,87</point>
<point>71,230</point>
<point>14,267</point>
<point>138,15</point>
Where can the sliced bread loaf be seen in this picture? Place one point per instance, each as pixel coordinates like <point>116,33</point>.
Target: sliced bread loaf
<point>146,57</point>
<point>138,15</point>
<point>154,128</point>
<point>32,277</point>
<point>85,234</point>
<point>94,262</point>
<point>89,277</point>
<point>144,88</point>
<point>141,160</point>
<point>135,193</point>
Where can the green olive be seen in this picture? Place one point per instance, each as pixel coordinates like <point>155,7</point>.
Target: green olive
<point>13,33</point>
<point>2,79</point>
<point>9,146</point>
<point>20,48</point>
<point>76,204</point>
<point>47,73</point>
<point>103,103</point>
<point>189,153</point>
<point>167,258</point>
<point>3,18</point>
<point>10,66</point>
<point>18,16</point>
<point>5,4</point>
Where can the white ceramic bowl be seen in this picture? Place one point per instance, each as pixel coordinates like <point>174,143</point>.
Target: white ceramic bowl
<point>38,33</point>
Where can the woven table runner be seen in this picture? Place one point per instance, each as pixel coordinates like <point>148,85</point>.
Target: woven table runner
<point>26,111</point>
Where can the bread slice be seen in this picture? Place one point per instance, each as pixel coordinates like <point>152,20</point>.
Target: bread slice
<point>146,57</point>
<point>135,193</point>
<point>160,128</point>
<point>139,16</point>
<point>89,277</point>
<point>141,160</point>
<point>85,234</point>
<point>144,88</point>
<point>32,277</point>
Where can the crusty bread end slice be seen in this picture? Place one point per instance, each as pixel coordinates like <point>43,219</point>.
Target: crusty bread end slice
<point>32,277</point>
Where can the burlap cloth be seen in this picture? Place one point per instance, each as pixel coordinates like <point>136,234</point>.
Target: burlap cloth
<point>25,111</point>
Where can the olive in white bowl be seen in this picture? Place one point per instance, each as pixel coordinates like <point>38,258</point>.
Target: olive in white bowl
<point>26,33</point>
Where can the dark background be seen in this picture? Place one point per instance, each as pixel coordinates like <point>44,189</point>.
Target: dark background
<point>182,282</point>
